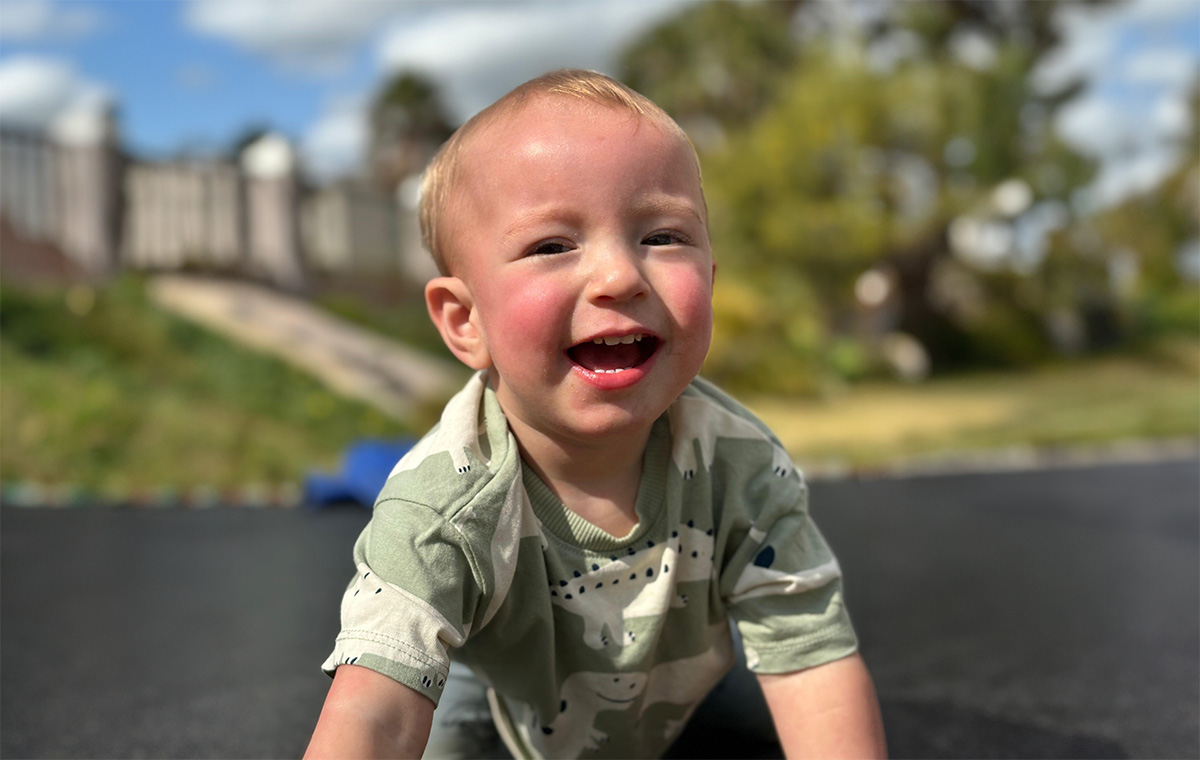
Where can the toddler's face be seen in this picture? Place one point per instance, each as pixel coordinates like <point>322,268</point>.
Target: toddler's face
<point>581,235</point>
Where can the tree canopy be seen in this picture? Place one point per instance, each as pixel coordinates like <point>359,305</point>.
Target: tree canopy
<point>886,187</point>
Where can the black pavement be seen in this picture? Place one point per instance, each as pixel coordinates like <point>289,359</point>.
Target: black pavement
<point>1041,614</point>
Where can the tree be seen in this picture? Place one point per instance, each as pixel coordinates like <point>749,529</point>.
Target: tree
<point>1147,242</point>
<point>716,65</point>
<point>905,164</point>
<point>408,124</point>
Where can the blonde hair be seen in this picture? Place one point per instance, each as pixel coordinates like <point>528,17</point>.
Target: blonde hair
<point>444,170</point>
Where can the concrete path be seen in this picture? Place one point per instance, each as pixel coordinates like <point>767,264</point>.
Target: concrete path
<point>1049,614</point>
<point>349,359</point>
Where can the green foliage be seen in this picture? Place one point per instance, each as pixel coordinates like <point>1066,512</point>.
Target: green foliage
<point>127,395</point>
<point>408,123</point>
<point>764,336</point>
<point>717,60</point>
<point>409,103</point>
<point>834,165</point>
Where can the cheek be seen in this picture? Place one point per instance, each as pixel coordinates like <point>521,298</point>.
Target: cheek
<point>691,299</point>
<point>524,314</point>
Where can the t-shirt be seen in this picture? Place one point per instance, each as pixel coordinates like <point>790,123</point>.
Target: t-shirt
<point>593,645</point>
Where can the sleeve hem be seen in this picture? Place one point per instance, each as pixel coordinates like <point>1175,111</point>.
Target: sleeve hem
<point>805,653</point>
<point>398,645</point>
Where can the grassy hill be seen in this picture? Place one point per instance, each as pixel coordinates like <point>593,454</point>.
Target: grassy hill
<point>103,390</point>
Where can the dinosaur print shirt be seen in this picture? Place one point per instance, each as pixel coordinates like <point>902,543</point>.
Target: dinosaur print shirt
<point>593,645</point>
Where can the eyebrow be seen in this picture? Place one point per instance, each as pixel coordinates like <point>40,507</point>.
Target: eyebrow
<point>668,206</point>
<point>536,219</point>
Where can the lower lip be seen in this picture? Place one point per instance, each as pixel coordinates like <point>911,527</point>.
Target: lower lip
<point>615,381</point>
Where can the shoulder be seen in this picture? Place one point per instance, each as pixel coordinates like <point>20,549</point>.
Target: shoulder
<point>467,457</point>
<point>704,416</point>
<point>457,484</point>
<point>717,407</point>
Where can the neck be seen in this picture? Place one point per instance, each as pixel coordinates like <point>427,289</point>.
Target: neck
<point>598,480</point>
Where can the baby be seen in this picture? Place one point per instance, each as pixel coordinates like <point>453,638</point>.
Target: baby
<point>587,517</point>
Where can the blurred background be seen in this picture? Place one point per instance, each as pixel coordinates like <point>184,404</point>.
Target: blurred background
<point>942,227</point>
<point>953,236</point>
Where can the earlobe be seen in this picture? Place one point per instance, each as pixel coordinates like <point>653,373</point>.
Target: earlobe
<point>452,309</point>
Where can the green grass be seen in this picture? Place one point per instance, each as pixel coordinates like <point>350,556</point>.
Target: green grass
<point>128,396</point>
<point>405,319</point>
<point>1151,395</point>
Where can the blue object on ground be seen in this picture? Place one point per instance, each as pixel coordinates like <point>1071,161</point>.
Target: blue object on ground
<point>365,468</point>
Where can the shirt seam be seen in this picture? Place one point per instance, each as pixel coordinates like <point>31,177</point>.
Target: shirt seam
<point>464,544</point>
<point>800,642</point>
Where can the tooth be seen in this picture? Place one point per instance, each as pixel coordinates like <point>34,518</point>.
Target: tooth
<point>611,341</point>
<point>638,336</point>
<point>627,339</point>
<point>598,341</point>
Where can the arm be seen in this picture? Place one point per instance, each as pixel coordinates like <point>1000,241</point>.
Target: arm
<point>827,711</point>
<point>367,714</point>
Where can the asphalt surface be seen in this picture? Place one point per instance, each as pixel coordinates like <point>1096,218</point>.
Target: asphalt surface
<point>1041,614</point>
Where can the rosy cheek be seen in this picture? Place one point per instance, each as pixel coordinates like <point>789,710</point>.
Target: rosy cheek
<point>693,297</point>
<point>525,316</point>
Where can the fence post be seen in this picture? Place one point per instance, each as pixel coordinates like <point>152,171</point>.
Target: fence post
<point>89,186</point>
<point>273,245</point>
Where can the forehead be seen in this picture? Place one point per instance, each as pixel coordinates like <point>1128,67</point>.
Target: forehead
<point>555,133</point>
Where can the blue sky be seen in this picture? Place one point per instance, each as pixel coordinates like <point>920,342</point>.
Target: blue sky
<point>192,75</point>
<point>178,88</point>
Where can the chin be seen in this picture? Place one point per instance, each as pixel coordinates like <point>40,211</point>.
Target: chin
<point>614,423</point>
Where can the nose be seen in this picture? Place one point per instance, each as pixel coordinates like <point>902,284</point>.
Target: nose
<point>617,274</point>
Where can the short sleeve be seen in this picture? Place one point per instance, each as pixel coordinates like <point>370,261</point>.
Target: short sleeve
<point>782,582</point>
<point>412,599</point>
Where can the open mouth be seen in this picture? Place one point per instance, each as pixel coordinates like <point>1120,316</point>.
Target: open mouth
<point>614,354</point>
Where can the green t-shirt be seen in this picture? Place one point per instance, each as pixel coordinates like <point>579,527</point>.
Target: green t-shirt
<point>593,645</point>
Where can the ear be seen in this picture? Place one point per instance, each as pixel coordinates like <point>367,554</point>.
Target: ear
<point>452,309</point>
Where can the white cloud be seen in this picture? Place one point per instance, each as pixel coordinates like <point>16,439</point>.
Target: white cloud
<point>310,35</point>
<point>475,51</point>
<point>479,52</point>
<point>1132,174</point>
<point>1093,124</point>
<point>34,20</point>
<point>1089,43</point>
<point>1134,106</point>
<point>1170,67</point>
<point>35,91</point>
<point>1171,116</point>
<point>337,143</point>
<point>1095,44</point>
<point>1159,12</point>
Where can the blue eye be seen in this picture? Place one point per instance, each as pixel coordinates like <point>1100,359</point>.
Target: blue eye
<point>548,248</point>
<point>665,238</point>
